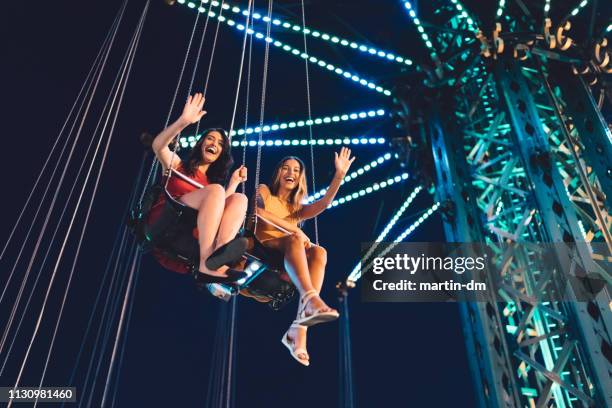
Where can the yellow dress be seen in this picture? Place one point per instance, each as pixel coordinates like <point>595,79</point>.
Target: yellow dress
<point>279,208</point>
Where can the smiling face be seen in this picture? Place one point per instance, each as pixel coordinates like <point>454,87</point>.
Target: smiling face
<point>289,175</point>
<point>289,181</point>
<point>212,146</point>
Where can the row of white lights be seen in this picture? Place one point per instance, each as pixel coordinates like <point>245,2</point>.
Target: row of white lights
<point>356,274</point>
<point>579,7</point>
<point>500,8</point>
<point>301,123</point>
<point>285,47</point>
<point>360,171</point>
<point>463,14</point>
<point>316,34</point>
<point>370,189</point>
<point>387,228</point>
<point>421,30</point>
<point>546,7</point>
<point>192,140</point>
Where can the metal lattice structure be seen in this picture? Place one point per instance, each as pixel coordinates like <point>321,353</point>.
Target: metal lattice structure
<point>524,159</point>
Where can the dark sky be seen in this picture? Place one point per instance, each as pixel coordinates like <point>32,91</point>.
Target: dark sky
<point>403,354</point>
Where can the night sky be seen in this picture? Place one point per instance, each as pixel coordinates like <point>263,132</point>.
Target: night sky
<point>408,355</point>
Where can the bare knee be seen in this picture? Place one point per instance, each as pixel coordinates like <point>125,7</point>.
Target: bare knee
<point>237,200</point>
<point>214,192</point>
<point>318,253</point>
<point>294,240</point>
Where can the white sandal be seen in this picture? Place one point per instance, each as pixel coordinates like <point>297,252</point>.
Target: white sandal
<point>295,353</point>
<point>317,317</point>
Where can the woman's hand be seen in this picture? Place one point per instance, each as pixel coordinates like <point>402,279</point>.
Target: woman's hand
<point>192,112</point>
<point>239,175</point>
<point>343,161</point>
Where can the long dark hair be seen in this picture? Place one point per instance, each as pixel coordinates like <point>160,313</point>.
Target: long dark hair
<point>218,170</point>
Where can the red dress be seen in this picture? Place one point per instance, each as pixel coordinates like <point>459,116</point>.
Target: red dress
<point>177,187</point>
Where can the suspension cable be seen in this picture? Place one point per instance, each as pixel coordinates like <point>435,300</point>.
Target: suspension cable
<point>78,204</point>
<point>262,107</point>
<point>312,161</point>
<point>125,77</point>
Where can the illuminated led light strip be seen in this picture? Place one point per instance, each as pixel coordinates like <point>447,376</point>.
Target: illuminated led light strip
<point>318,121</point>
<point>418,222</point>
<point>353,175</point>
<point>547,7</point>
<point>500,8</point>
<point>190,141</point>
<point>609,28</point>
<point>317,34</point>
<point>291,50</point>
<point>356,274</point>
<point>421,30</point>
<point>387,228</point>
<point>579,7</point>
<point>463,14</point>
<point>368,190</point>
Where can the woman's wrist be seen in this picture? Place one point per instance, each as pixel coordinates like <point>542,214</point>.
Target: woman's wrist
<point>232,185</point>
<point>339,175</point>
<point>182,123</point>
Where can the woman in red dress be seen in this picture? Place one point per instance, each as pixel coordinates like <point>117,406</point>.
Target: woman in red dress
<point>221,211</point>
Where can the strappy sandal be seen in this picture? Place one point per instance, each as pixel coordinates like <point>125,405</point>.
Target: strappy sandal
<point>318,316</point>
<point>295,353</point>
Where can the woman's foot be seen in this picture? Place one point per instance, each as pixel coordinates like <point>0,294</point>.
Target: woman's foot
<point>295,341</point>
<point>317,305</point>
<point>313,310</point>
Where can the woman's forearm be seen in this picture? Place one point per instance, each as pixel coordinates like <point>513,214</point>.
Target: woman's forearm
<point>231,189</point>
<point>164,138</point>
<point>332,190</point>
<point>316,208</point>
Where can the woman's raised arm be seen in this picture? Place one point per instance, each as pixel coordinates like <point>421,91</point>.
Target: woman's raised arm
<point>192,112</point>
<point>342,162</point>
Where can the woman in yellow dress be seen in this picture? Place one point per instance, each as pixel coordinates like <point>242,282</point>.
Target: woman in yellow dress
<point>281,205</point>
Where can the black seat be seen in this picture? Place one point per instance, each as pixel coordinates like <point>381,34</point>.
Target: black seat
<point>172,236</point>
<point>264,267</point>
<point>172,233</point>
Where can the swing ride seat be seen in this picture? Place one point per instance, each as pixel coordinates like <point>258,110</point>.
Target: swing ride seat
<point>264,281</point>
<point>171,235</point>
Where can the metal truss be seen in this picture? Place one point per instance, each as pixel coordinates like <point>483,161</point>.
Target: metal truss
<point>510,175</point>
<point>522,157</point>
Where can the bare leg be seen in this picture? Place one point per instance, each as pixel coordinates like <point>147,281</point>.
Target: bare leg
<point>317,259</point>
<point>233,215</point>
<point>210,203</point>
<point>296,265</point>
